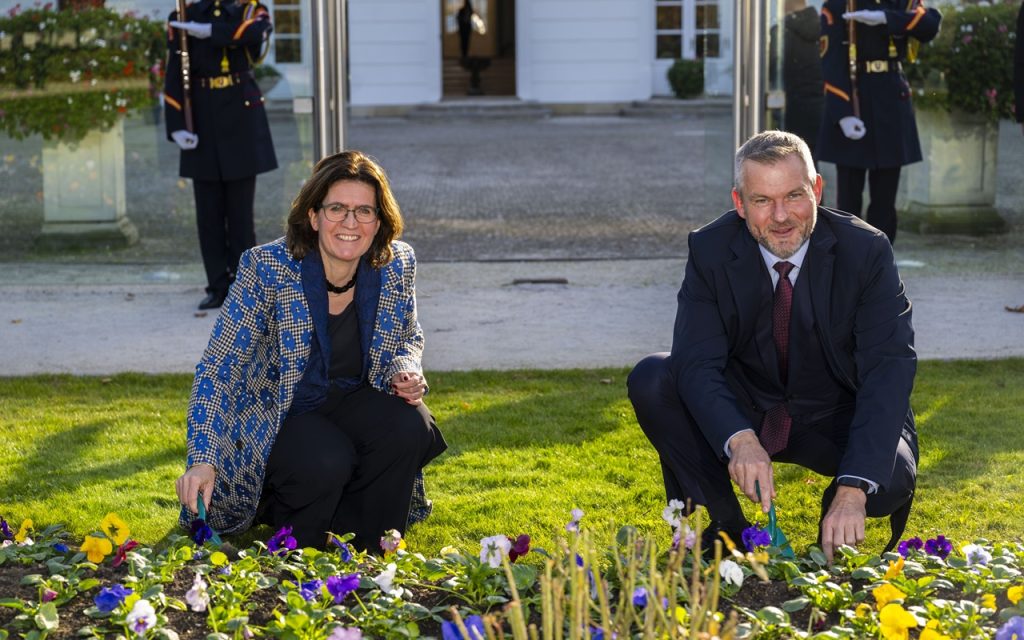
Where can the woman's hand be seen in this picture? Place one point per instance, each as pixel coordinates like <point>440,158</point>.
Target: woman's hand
<point>410,386</point>
<point>199,478</point>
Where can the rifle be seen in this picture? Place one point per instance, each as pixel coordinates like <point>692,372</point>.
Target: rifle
<point>186,78</point>
<point>851,30</point>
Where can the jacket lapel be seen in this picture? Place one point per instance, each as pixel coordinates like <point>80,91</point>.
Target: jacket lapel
<point>818,267</point>
<point>313,284</point>
<point>368,283</point>
<point>752,297</point>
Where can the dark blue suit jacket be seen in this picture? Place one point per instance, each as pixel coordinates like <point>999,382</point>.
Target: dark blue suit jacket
<point>728,378</point>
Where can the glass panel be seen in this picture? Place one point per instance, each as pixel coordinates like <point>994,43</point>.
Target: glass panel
<point>287,50</point>
<point>670,46</point>
<point>670,17</point>
<point>707,45</point>
<point>707,16</point>
<point>286,21</point>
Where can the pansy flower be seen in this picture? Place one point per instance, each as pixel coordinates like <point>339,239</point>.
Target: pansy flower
<point>311,590</point>
<point>1014,594</point>
<point>5,530</point>
<point>343,548</point>
<point>895,622</point>
<point>282,541</point>
<point>197,597</point>
<point>640,597</point>
<point>24,532</point>
<point>110,598</point>
<point>142,617</point>
<point>122,552</point>
<point>96,548</point>
<point>674,512</point>
<point>345,633</point>
<point>895,569</point>
<point>931,632</point>
<point>391,541</point>
<point>574,524</point>
<point>520,547</point>
<point>1012,630</point>
<point>200,532</point>
<point>474,626</point>
<point>938,546</point>
<point>48,595</point>
<point>731,572</point>
<point>493,549</point>
<point>976,554</point>
<point>911,544</point>
<point>341,586</point>
<point>885,594</point>
<point>386,581</point>
<point>754,537</point>
<point>115,528</point>
<point>60,547</point>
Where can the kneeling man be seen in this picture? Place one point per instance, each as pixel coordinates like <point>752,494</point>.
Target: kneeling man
<point>793,343</point>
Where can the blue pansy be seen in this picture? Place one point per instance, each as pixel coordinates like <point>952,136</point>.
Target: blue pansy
<point>310,590</point>
<point>1012,630</point>
<point>640,597</point>
<point>109,598</point>
<point>474,625</point>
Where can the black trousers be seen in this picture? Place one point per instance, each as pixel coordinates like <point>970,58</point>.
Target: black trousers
<point>224,219</point>
<point>882,187</point>
<point>693,471</point>
<point>348,467</point>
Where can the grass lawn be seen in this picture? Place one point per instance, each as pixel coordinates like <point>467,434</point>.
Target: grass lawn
<point>525,448</point>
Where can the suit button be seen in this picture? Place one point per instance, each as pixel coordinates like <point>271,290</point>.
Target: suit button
<point>268,403</point>
<point>238,444</point>
<point>247,103</point>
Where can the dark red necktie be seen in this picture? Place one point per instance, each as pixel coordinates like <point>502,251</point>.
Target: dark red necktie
<point>775,427</point>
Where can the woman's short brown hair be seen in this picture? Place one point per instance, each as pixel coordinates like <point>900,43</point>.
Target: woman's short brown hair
<point>347,165</point>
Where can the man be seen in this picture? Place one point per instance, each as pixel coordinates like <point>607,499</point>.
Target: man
<point>792,343</point>
<point>230,142</point>
<point>869,124</point>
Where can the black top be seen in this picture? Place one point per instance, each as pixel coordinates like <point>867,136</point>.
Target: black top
<point>346,352</point>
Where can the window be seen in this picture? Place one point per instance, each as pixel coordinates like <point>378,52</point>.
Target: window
<point>687,29</point>
<point>287,37</point>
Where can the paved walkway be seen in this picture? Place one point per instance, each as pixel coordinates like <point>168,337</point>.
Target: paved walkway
<point>610,313</point>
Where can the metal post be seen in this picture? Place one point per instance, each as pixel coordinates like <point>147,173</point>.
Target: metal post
<point>748,70</point>
<point>330,72</point>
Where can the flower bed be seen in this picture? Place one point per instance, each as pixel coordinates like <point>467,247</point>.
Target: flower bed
<point>630,587</point>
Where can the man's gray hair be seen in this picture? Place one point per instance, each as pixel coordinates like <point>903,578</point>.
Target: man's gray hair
<point>769,147</point>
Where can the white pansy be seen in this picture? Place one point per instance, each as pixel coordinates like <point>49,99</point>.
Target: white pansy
<point>142,618</point>
<point>197,597</point>
<point>976,554</point>
<point>386,581</point>
<point>673,513</point>
<point>731,572</point>
<point>493,549</point>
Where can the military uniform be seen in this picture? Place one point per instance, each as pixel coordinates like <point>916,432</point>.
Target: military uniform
<point>231,125</point>
<point>884,98</point>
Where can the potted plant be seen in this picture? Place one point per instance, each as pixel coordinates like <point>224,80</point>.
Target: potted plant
<point>70,76</point>
<point>963,83</point>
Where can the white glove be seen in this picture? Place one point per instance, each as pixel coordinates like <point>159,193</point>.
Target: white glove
<point>853,127</point>
<point>199,29</point>
<point>867,16</point>
<point>187,141</point>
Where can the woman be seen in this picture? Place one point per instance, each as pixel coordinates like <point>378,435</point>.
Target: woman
<point>307,408</point>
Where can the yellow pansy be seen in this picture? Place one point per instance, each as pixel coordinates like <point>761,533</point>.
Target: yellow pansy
<point>886,594</point>
<point>862,611</point>
<point>988,600</point>
<point>25,531</point>
<point>1014,594</point>
<point>895,569</point>
<point>96,548</point>
<point>931,632</point>
<point>894,622</point>
<point>115,528</point>
<point>218,558</point>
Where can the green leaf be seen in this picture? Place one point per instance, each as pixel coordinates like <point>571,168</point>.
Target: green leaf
<point>218,636</point>
<point>495,599</point>
<point>864,573</point>
<point>796,604</point>
<point>32,579</point>
<point>773,615</point>
<point>13,603</point>
<point>818,557</point>
<point>625,534</point>
<point>88,583</point>
<point>47,618</point>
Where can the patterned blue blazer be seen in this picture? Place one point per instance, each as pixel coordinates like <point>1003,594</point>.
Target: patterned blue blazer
<point>258,352</point>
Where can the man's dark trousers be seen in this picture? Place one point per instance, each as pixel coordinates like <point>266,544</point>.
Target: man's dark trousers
<point>883,185</point>
<point>225,220</point>
<point>693,471</point>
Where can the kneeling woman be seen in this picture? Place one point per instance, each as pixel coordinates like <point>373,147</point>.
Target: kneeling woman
<point>307,409</point>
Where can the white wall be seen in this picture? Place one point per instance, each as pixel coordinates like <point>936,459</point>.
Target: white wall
<point>394,51</point>
<point>584,50</point>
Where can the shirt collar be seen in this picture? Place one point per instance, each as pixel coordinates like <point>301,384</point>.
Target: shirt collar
<point>797,259</point>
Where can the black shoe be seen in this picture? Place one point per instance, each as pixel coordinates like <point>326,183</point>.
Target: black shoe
<point>212,300</point>
<point>711,533</point>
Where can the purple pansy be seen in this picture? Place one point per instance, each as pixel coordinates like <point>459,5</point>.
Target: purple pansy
<point>938,546</point>
<point>282,541</point>
<point>5,530</point>
<point>640,597</point>
<point>912,544</point>
<point>200,531</point>
<point>341,586</point>
<point>520,547</point>
<point>754,537</point>
<point>60,547</point>
<point>1012,630</point>
<point>474,625</point>
<point>344,549</point>
<point>310,590</point>
<point>110,598</point>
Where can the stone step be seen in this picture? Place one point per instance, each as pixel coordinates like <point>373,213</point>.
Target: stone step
<point>480,107</point>
<point>677,108</point>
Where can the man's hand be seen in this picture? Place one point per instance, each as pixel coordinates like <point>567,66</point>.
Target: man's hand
<point>869,17</point>
<point>750,467</point>
<point>184,139</point>
<point>410,386</point>
<point>853,127</point>
<point>195,29</point>
<point>198,479</point>
<point>844,522</point>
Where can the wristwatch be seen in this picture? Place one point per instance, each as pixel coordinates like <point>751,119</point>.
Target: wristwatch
<point>850,481</point>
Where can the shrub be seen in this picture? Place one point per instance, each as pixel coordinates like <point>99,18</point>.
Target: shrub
<point>969,65</point>
<point>687,78</point>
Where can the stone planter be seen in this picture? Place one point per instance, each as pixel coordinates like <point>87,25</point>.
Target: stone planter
<point>954,189</point>
<point>84,192</point>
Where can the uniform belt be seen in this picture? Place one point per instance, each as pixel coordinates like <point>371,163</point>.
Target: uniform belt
<point>224,81</point>
<point>879,66</point>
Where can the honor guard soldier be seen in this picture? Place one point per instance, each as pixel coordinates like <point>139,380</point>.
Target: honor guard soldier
<point>869,124</point>
<point>215,113</point>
